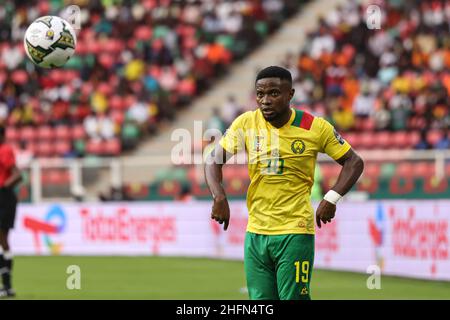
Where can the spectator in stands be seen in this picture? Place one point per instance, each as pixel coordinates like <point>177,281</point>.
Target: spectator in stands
<point>3,112</point>
<point>170,50</point>
<point>139,113</point>
<point>185,194</point>
<point>115,193</point>
<point>423,143</point>
<point>92,127</point>
<point>24,156</point>
<point>230,109</point>
<point>382,117</point>
<point>364,103</point>
<point>400,108</point>
<point>216,122</point>
<point>343,119</point>
<point>444,141</point>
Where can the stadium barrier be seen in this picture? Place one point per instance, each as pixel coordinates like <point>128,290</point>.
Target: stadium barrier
<point>403,238</point>
<point>389,174</point>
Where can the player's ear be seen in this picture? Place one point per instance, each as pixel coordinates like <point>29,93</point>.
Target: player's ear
<point>291,93</point>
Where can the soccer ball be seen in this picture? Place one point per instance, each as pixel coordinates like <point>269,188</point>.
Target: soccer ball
<point>50,41</point>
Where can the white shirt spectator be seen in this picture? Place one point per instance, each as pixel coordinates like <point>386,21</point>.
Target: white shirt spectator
<point>12,57</point>
<point>24,157</point>
<point>106,128</point>
<point>233,23</point>
<point>3,112</point>
<point>322,44</point>
<point>272,6</point>
<point>91,126</point>
<point>363,105</point>
<point>139,112</point>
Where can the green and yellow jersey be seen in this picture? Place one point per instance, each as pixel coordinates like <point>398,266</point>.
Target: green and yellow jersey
<point>281,164</point>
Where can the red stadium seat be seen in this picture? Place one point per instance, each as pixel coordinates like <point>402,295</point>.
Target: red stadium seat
<point>433,136</point>
<point>372,170</point>
<point>404,169</point>
<point>447,170</point>
<point>414,138</point>
<point>28,133</point>
<point>243,172</point>
<point>192,174</point>
<point>78,132</point>
<point>94,147</point>
<point>111,147</point>
<point>12,134</point>
<point>368,124</point>
<point>423,169</point>
<point>383,140</point>
<point>45,149</point>
<point>400,140</point>
<point>32,147</point>
<point>330,170</point>
<point>45,133</point>
<point>116,103</point>
<point>118,116</point>
<point>352,139</point>
<point>367,140</point>
<point>129,101</point>
<point>62,132</point>
<point>56,177</point>
<point>62,147</point>
<point>229,172</point>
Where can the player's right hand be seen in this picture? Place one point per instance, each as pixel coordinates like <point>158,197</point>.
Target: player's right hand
<point>325,213</point>
<point>221,211</point>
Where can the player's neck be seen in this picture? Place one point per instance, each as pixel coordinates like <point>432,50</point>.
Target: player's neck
<point>282,120</point>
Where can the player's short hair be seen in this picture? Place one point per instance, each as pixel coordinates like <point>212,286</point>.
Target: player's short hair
<point>274,72</point>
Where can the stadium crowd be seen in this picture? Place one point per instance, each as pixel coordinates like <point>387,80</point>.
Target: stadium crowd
<point>386,87</point>
<point>136,63</point>
<point>392,79</point>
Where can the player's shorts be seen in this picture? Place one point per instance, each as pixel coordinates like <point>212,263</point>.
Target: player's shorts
<point>279,266</point>
<point>8,204</point>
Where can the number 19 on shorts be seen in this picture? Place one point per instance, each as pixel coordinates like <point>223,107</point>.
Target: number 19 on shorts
<point>301,271</point>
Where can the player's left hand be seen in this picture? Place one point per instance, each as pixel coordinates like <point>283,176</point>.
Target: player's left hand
<point>325,212</point>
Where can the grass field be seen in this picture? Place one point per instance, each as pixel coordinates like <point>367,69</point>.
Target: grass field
<point>187,278</point>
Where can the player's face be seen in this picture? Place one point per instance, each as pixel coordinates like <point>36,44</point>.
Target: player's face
<point>273,97</point>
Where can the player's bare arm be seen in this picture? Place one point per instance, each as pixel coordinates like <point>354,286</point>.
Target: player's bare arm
<point>352,168</point>
<point>14,179</point>
<point>213,175</point>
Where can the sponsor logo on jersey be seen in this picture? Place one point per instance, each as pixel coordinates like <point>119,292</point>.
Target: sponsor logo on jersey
<point>338,137</point>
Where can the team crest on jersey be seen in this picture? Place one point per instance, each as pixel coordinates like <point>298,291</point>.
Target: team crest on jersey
<point>304,291</point>
<point>339,137</point>
<point>298,146</point>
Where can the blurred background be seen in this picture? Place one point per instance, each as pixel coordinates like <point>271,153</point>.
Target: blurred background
<point>96,137</point>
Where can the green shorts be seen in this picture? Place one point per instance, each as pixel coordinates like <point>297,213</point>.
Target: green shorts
<point>279,266</point>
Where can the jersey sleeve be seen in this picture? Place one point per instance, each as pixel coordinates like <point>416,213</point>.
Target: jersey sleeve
<point>8,159</point>
<point>331,141</point>
<point>233,140</point>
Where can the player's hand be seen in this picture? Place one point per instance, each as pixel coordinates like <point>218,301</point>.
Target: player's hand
<point>221,211</point>
<point>325,212</point>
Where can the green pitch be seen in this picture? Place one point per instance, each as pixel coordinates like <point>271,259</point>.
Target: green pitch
<point>187,278</point>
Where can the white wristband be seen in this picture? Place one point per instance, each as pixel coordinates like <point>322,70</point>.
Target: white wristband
<point>332,197</point>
